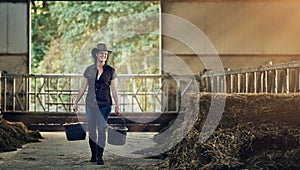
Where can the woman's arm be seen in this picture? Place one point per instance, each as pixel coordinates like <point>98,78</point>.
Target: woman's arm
<point>80,93</point>
<point>115,96</point>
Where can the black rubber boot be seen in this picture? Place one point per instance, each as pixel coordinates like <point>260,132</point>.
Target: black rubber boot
<point>100,155</point>
<point>93,147</point>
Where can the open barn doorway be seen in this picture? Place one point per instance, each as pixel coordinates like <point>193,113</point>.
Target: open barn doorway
<point>64,32</point>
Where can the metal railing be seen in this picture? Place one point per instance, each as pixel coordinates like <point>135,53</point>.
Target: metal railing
<point>278,78</point>
<point>143,93</point>
<point>56,93</point>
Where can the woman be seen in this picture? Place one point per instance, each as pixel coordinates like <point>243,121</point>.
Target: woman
<point>100,80</point>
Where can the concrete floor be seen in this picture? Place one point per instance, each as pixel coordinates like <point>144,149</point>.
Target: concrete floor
<point>56,152</point>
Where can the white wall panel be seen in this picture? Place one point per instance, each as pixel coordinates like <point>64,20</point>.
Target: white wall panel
<point>17,28</point>
<point>3,27</point>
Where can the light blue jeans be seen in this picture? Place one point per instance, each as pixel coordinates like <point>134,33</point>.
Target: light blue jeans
<point>97,122</point>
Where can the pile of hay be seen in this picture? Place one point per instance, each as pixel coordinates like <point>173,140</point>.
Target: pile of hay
<point>15,134</point>
<point>256,131</point>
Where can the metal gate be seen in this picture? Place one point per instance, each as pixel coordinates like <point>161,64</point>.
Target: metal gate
<point>45,101</point>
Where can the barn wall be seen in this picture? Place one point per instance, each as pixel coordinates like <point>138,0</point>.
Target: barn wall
<point>14,38</point>
<point>243,33</point>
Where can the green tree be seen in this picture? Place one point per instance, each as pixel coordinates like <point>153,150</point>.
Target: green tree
<point>43,30</point>
<point>66,31</point>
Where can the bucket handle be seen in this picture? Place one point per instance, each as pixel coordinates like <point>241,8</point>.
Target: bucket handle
<point>123,118</point>
<point>72,118</point>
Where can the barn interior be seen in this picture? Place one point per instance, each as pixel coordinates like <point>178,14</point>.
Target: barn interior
<point>231,95</point>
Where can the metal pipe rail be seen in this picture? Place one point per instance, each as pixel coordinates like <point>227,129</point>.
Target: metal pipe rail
<point>56,93</point>
<point>143,93</point>
<point>279,78</point>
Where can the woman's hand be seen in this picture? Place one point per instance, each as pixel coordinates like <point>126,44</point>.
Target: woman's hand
<point>75,107</point>
<point>117,109</point>
<point>80,94</point>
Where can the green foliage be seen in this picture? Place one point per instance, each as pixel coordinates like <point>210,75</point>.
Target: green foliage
<point>43,29</point>
<point>64,32</point>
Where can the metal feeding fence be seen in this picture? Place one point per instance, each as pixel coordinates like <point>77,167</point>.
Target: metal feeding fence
<point>148,102</point>
<point>56,92</point>
<point>143,92</point>
<point>279,78</point>
<point>47,100</point>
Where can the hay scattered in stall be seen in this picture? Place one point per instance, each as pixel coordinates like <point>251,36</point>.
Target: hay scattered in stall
<point>256,131</point>
<point>15,134</point>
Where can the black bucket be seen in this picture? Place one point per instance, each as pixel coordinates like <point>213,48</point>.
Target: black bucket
<point>117,134</point>
<point>75,131</point>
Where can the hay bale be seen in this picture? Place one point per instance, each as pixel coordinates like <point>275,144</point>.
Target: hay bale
<point>15,134</point>
<point>255,131</point>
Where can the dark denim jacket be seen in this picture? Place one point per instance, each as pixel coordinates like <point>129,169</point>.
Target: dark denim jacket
<point>99,90</point>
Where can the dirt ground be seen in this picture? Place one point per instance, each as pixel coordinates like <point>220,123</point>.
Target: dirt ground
<point>56,152</point>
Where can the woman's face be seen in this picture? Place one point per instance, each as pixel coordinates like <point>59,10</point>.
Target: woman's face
<point>102,56</point>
